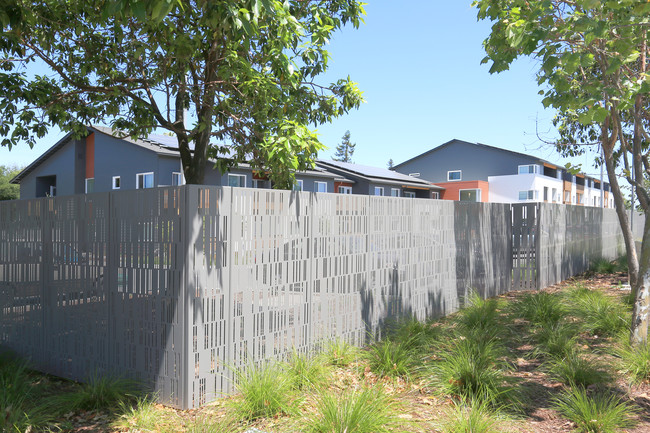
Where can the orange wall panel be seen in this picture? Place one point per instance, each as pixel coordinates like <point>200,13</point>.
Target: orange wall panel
<point>452,189</point>
<point>90,156</point>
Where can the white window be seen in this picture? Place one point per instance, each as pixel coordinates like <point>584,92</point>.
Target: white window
<point>237,180</point>
<point>379,190</point>
<point>177,178</point>
<point>345,189</point>
<point>567,196</point>
<point>527,169</point>
<point>52,191</point>
<point>435,195</point>
<point>320,186</point>
<point>90,185</point>
<point>117,182</point>
<point>144,180</point>
<point>554,196</point>
<point>529,195</point>
<point>469,195</point>
<point>454,175</point>
<point>298,185</point>
<point>394,192</point>
<point>409,194</point>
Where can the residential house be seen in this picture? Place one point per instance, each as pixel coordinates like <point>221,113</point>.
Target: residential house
<point>378,181</point>
<point>105,161</point>
<point>478,172</point>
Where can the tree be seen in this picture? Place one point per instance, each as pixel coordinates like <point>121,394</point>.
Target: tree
<point>345,150</point>
<point>593,66</point>
<point>241,72</point>
<point>390,164</point>
<point>7,190</point>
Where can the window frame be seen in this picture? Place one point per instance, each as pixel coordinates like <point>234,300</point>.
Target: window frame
<point>119,182</point>
<point>535,169</point>
<point>238,176</point>
<point>409,194</point>
<point>399,192</point>
<point>144,175</point>
<point>86,185</point>
<point>298,186</point>
<point>435,195</point>
<point>181,178</point>
<point>317,185</point>
<point>379,189</point>
<point>478,194</point>
<point>344,189</point>
<point>460,175</point>
<point>531,195</point>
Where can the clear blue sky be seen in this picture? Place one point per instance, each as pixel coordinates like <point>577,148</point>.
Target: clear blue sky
<point>418,64</point>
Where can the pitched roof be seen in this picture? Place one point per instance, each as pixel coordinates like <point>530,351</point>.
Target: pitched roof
<point>375,174</point>
<point>161,144</point>
<point>481,145</point>
<point>154,145</point>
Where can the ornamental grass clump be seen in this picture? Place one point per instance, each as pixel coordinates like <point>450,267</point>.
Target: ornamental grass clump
<point>99,392</point>
<point>393,358</point>
<point>599,314</point>
<point>472,417</point>
<point>472,369</point>
<point>265,391</point>
<point>421,335</point>
<point>574,369</point>
<point>340,353</point>
<point>305,372</point>
<point>597,413</point>
<point>355,411</point>
<point>19,397</point>
<point>541,309</point>
<point>479,317</point>
<point>635,362</point>
<point>555,340</point>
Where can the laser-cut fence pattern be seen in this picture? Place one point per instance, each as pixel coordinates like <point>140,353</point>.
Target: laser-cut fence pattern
<point>178,286</point>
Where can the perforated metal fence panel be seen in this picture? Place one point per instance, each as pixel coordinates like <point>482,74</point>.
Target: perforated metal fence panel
<point>572,237</point>
<point>179,286</point>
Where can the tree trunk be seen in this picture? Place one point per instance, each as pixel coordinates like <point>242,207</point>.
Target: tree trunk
<point>641,312</point>
<point>624,221</point>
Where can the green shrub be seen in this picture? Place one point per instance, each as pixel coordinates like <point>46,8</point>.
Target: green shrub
<point>600,413</point>
<point>635,361</point>
<point>365,411</point>
<point>340,353</point>
<point>305,371</point>
<point>472,369</point>
<point>265,391</point>
<point>574,370</point>
<point>392,358</point>
<point>540,308</point>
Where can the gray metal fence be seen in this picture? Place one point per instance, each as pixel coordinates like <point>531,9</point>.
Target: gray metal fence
<point>178,286</point>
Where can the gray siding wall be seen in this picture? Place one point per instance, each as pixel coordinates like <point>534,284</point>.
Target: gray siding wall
<point>476,162</point>
<point>62,165</point>
<point>115,157</point>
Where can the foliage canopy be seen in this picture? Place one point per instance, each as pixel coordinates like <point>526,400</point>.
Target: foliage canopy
<point>242,73</point>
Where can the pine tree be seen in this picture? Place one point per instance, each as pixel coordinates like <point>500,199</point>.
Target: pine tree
<point>390,164</point>
<point>345,150</point>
